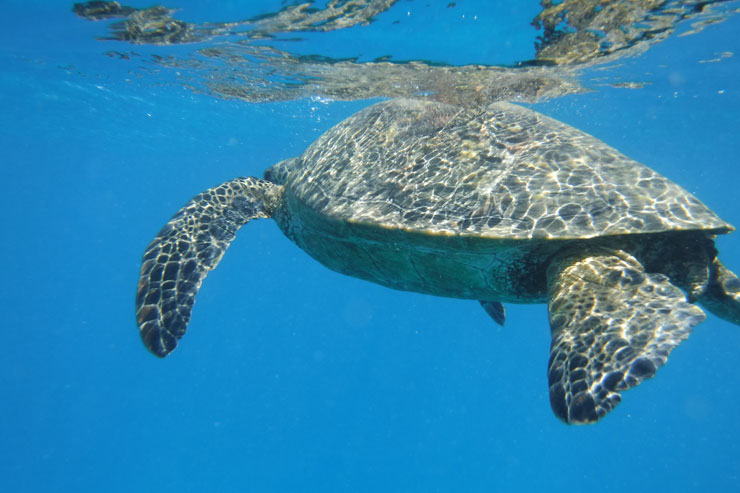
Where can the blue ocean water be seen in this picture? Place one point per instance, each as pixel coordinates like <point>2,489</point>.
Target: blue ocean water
<point>293,377</point>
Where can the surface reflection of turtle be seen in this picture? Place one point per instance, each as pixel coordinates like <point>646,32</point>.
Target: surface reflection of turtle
<point>496,205</point>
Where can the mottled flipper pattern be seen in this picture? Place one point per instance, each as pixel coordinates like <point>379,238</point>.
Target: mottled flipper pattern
<point>191,244</point>
<point>495,310</point>
<point>613,326</point>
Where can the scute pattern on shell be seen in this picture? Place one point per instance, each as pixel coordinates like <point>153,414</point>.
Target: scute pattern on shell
<point>501,172</point>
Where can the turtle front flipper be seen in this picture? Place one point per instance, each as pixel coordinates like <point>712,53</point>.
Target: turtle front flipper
<point>191,244</point>
<point>612,326</point>
<point>722,295</point>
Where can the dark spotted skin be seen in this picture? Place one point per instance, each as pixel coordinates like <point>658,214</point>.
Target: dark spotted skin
<point>613,325</point>
<point>499,204</point>
<point>191,244</point>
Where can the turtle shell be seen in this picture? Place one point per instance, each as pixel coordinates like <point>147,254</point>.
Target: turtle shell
<point>502,172</point>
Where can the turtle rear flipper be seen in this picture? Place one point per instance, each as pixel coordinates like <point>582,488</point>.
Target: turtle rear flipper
<point>191,244</point>
<point>722,296</point>
<point>613,326</point>
<point>495,310</point>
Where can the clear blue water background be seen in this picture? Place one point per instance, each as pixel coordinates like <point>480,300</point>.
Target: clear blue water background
<point>292,377</point>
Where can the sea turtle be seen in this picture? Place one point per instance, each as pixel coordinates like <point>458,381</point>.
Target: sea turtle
<point>496,204</point>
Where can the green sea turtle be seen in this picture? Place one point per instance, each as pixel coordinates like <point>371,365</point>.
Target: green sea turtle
<point>499,204</point>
